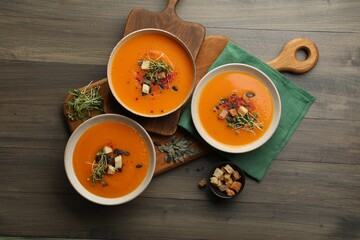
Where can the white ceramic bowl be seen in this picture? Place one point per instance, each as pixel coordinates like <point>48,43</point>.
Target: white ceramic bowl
<point>69,150</point>
<point>240,68</point>
<point>127,38</point>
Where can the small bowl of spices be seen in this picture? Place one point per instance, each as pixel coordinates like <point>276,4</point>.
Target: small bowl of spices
<point>226,180</point>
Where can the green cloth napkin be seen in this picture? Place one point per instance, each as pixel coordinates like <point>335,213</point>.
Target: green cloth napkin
<point>295,104</point>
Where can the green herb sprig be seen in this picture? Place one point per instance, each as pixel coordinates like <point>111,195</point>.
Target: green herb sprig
<point>103,162</point>
<point>238,113</point>
<point>99,167</point>
<point>83,102</point>
<point>156,68</point>
<point>247,122</point>
<point>157,73</point>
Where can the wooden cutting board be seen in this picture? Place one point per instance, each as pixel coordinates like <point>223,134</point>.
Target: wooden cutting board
<point>192,34</point>
<point>210,50</point>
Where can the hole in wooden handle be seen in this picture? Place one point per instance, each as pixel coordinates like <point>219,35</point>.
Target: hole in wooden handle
<point>288,61</point>
<point>302,53</point>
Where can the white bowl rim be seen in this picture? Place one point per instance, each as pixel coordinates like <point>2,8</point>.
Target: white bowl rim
<point>241,68</point>
<point>131,35</point>
<point>68,159</point>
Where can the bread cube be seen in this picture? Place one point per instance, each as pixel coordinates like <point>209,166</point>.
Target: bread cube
<point>223,188</point>
<point>222,178</point>
<point>233,112</point>
<point>230,192</point>
<point>145,65</point>
<point>218,173</point>
<point>242,110</point>
<point>107,150</point>
<point>236,186</point>
<point>229,169</point>
<point>223,114</point>
<point>228,184</point>
<point>111,170</point>
<point>160,75</point>
<point>118,162</point>
<point>202,183</point>
<point>145,89</point>
<point>228,178</point>
<point>214,181</point>
<point>236,175</point>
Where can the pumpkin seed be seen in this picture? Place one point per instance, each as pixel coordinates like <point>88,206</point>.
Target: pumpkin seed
<point>167,159</point>
<point>177,150</point>
<point>250,94</point>
<point>224,100</point>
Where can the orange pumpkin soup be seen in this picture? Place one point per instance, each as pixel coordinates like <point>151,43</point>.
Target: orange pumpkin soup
<point>152,74</point>
<point>108,140</point>
<point>235,108</point>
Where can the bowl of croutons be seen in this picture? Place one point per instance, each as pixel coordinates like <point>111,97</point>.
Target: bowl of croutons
<point>227,180</point>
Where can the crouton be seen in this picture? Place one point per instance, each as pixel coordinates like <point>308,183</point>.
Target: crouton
<point>111,170</point>
<point>223,114</point>
<point>160,75</point>
<point>222,178</point>
<point>118,162</point>
<point>229,169</point>
<point>107,150</point>
<point>145,65</point>
<point>233,112</point>
<point>230,192</point>
<point>236,186</point>
<point>217,173</point>
<point>223,188</point>
<point>202,183</point>
<point>242,110</point>
<point>236,175</point>
<point>145,89</point>
<point>214,181</point>
<point>228,178</point>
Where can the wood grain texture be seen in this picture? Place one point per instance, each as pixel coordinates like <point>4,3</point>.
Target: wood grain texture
<point>287,61</point>
<point>311,190</point>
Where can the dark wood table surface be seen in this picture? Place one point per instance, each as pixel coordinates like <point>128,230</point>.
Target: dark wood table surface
<point>311,191</point>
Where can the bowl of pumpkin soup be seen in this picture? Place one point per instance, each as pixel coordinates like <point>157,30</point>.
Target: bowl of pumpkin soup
<point>110,159</point>
<point>236,108</point>
<point>151,72</point>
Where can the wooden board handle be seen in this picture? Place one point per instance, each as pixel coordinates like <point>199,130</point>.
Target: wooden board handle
<point>286,61</point>
<point>171,6</point>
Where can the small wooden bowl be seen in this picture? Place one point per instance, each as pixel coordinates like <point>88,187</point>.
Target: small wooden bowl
<point>215,190</point>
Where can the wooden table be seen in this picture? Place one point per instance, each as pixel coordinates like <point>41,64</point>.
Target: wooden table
<point>311,191</point>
